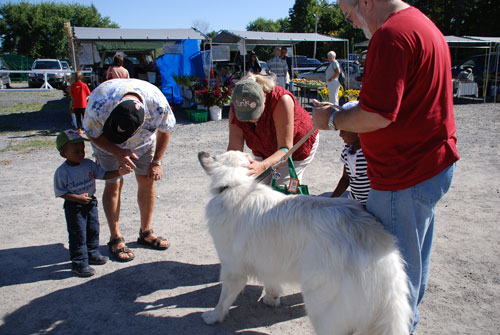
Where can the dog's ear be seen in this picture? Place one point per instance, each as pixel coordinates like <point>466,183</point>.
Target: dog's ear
<point>206,161</point>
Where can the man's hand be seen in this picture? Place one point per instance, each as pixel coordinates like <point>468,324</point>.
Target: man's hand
<point>155,171</point>
<point>125,158</point>
<point>321,113</point>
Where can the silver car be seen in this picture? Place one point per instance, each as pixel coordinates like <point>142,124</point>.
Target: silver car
<point>350,69</point>
<point>55,79</point>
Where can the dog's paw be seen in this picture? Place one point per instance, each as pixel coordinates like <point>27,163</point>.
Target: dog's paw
<point>271,301</point>
<point>211,317</point>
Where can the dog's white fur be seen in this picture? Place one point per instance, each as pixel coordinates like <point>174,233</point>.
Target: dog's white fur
<point>352,276</point>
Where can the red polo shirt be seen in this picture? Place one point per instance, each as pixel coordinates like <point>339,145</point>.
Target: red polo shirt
<point>407,80</point>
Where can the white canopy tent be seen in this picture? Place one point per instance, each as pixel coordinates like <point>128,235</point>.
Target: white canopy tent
<point>489,43</point>
<point>244,38</point>
<point>494,43</point>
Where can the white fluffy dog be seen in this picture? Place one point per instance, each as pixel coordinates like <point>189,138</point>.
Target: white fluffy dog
<point>352,276</point>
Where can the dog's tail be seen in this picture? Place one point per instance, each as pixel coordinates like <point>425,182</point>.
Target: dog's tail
<point>396,315</point>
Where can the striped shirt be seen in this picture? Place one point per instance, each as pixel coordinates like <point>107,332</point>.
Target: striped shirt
<point>356,169</point>
<point>277,66</point>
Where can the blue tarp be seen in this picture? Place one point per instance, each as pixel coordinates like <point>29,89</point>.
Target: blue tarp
<point>189,63</point>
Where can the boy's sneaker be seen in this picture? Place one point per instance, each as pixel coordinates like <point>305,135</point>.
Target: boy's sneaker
<point>99,260</point>
<point>83,271</point>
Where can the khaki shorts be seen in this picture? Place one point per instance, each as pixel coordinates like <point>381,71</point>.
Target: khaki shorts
<point>109,163</point>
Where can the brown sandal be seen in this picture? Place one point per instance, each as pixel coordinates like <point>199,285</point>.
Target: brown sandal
<point>155,243</point>
<point>119,252</point>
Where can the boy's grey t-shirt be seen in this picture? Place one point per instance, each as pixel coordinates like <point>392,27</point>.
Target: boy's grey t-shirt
<point>77,179</point>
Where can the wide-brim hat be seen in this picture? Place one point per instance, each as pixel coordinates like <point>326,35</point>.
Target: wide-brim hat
<point>124,121</point>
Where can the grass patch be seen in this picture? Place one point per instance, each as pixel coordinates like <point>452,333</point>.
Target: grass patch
<point>31,107</point>
<point>29,145</point>
<point>45,94</point>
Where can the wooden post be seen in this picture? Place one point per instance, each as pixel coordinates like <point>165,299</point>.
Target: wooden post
<point>76,63</point>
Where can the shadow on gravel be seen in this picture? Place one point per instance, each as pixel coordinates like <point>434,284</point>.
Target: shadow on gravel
<point>127,302</point>
<point>33,264</point>
<point>53,117</point>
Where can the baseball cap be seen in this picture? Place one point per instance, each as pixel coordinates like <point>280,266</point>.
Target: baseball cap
<point>68,136</point>
<point>248,99</point>
<point>123,122</point>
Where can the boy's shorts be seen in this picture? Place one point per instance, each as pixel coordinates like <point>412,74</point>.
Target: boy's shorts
<point>109,163</point>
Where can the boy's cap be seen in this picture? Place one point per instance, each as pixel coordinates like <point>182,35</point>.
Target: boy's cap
<point>248,99</point>
<point>350,104</point>
<point>68,136</point>
<point>125,119</point>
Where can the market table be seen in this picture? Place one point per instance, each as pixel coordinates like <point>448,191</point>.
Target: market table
<point>463,88</point>
<point>304,91</point>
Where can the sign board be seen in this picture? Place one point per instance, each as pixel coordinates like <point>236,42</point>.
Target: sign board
<point>221,53</point>
<point>87,54</point>
<point>242,47</point>
<point>172,48</point>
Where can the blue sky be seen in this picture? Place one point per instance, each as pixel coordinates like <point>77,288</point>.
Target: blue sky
<point>163,14</point>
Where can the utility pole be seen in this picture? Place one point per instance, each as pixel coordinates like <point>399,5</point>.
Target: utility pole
<point>315,31</point>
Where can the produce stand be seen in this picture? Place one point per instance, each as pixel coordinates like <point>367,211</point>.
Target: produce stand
<point>304,90</point>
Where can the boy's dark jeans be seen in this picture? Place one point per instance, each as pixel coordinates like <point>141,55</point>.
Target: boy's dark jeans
<point>83,230</point>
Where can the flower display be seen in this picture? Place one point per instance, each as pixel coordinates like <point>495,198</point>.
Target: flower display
<point>348,95</point>
<point>324,94</point>
<point>216,95</point>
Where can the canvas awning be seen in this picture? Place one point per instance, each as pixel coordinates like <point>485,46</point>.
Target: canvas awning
<point>270,38</point>
<point>99,34</point>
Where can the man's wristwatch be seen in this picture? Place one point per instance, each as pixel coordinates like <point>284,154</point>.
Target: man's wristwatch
<point>331,124</point>
<point>156,162</point>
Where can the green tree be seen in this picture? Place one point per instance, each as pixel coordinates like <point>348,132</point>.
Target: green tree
<point>330,22</point>
<point>261,24</point>
<point>462,17</point>
<point>37,30</point>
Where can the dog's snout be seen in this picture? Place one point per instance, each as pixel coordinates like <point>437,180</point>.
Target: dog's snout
<point>202,155</point>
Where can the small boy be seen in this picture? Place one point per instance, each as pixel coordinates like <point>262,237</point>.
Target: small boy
<point>354,174</point>
<point>74,181</point>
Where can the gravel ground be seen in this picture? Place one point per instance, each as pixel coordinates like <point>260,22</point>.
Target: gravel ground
<point>165,292</point>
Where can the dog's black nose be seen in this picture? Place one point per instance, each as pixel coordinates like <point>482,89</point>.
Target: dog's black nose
<point>203,154</point>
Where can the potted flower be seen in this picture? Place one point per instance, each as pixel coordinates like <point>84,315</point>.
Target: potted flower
<point>214,97</point>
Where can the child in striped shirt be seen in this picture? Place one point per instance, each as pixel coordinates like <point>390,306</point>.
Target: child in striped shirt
<point>354,174</point>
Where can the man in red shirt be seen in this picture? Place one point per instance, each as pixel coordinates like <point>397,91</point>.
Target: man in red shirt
<point>406,125</point>
<point>79,92</point>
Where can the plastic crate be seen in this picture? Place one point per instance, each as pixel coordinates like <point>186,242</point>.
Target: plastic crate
<point>197,115</point>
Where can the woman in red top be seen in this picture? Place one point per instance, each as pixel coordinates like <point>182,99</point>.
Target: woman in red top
<point>79,92</point>
<point>267,117</point>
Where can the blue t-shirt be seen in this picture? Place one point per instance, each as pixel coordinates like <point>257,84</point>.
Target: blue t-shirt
<point>77,179</point>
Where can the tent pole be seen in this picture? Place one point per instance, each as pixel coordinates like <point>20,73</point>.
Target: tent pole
<point>485,89</point>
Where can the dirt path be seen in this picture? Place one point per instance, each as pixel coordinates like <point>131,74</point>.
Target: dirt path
<point>166,292</point>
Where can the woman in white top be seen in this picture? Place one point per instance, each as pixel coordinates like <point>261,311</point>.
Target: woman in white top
<point>332,78</point>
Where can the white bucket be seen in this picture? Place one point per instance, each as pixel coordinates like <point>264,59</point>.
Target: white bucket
<point>215,113</point>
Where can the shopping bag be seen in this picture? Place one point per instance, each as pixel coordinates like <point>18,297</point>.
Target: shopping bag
<point>294,186</point>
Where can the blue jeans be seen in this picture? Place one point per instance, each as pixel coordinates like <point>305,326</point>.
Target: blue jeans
<point>83,229</point>
<point>409,215</point>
